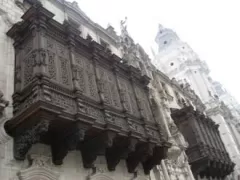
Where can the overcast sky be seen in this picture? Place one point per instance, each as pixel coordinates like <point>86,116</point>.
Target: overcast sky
<point>210,27</point>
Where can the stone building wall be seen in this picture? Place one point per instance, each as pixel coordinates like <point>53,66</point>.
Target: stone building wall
<point>10,13</point>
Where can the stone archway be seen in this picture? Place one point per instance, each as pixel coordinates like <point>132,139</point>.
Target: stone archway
<point>39,170</point>
<point>41,173</point>
<point>101,177</point>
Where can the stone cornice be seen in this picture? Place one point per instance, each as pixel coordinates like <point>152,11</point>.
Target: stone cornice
<point>87,19</point>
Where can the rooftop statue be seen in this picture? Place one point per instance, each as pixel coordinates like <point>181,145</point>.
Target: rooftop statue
<point>123,26</point>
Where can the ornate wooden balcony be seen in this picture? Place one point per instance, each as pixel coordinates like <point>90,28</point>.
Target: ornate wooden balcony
<point>206,152</point>
<point>71,93</point>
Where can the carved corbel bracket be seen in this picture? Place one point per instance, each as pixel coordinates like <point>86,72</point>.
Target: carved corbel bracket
<point>122,146</point>
<point>72,31</point>
<point>64,141</point>
<point>24,139</point>
<point>142,153</point>
<point>97,145</point>
<point>159,153</point>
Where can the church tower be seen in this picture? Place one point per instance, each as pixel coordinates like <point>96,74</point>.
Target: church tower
<point>177,59</point>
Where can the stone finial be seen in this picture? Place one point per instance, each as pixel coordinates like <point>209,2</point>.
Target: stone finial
<point>110,28</point>
<point>160,27</point>
<point>75,4</point>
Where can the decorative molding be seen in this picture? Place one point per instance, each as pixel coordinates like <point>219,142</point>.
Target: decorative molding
<point>214,111</point>
<point>40,168</point>
<point>100,177</point>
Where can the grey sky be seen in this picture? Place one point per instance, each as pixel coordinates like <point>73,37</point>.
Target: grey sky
<point>210,27</point>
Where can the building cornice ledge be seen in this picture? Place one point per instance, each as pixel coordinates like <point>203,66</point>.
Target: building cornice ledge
<point>214,111</point>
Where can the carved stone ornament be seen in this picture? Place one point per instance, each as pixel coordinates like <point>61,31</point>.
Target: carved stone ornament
<point>174,152</point>
<point>39,169</point>
<point>100,177</point>
<point>4,137</point>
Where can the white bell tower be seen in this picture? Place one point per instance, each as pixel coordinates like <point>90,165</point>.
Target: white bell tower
<point>177,59</point>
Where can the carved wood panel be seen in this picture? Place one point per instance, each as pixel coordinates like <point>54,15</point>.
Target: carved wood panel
<point>95,113</point>
<point>52,65</point>
<point>86,77</point>
<point>27,64</point>
<point>143,103</point>
<point>128,97</point>
<point>67,103</point>
<point>58,62</point>
<point>108,87</point>
<point>26,103</point>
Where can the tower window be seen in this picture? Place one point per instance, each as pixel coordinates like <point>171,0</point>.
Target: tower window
<point>165,42</point>
<point>171,64</point>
